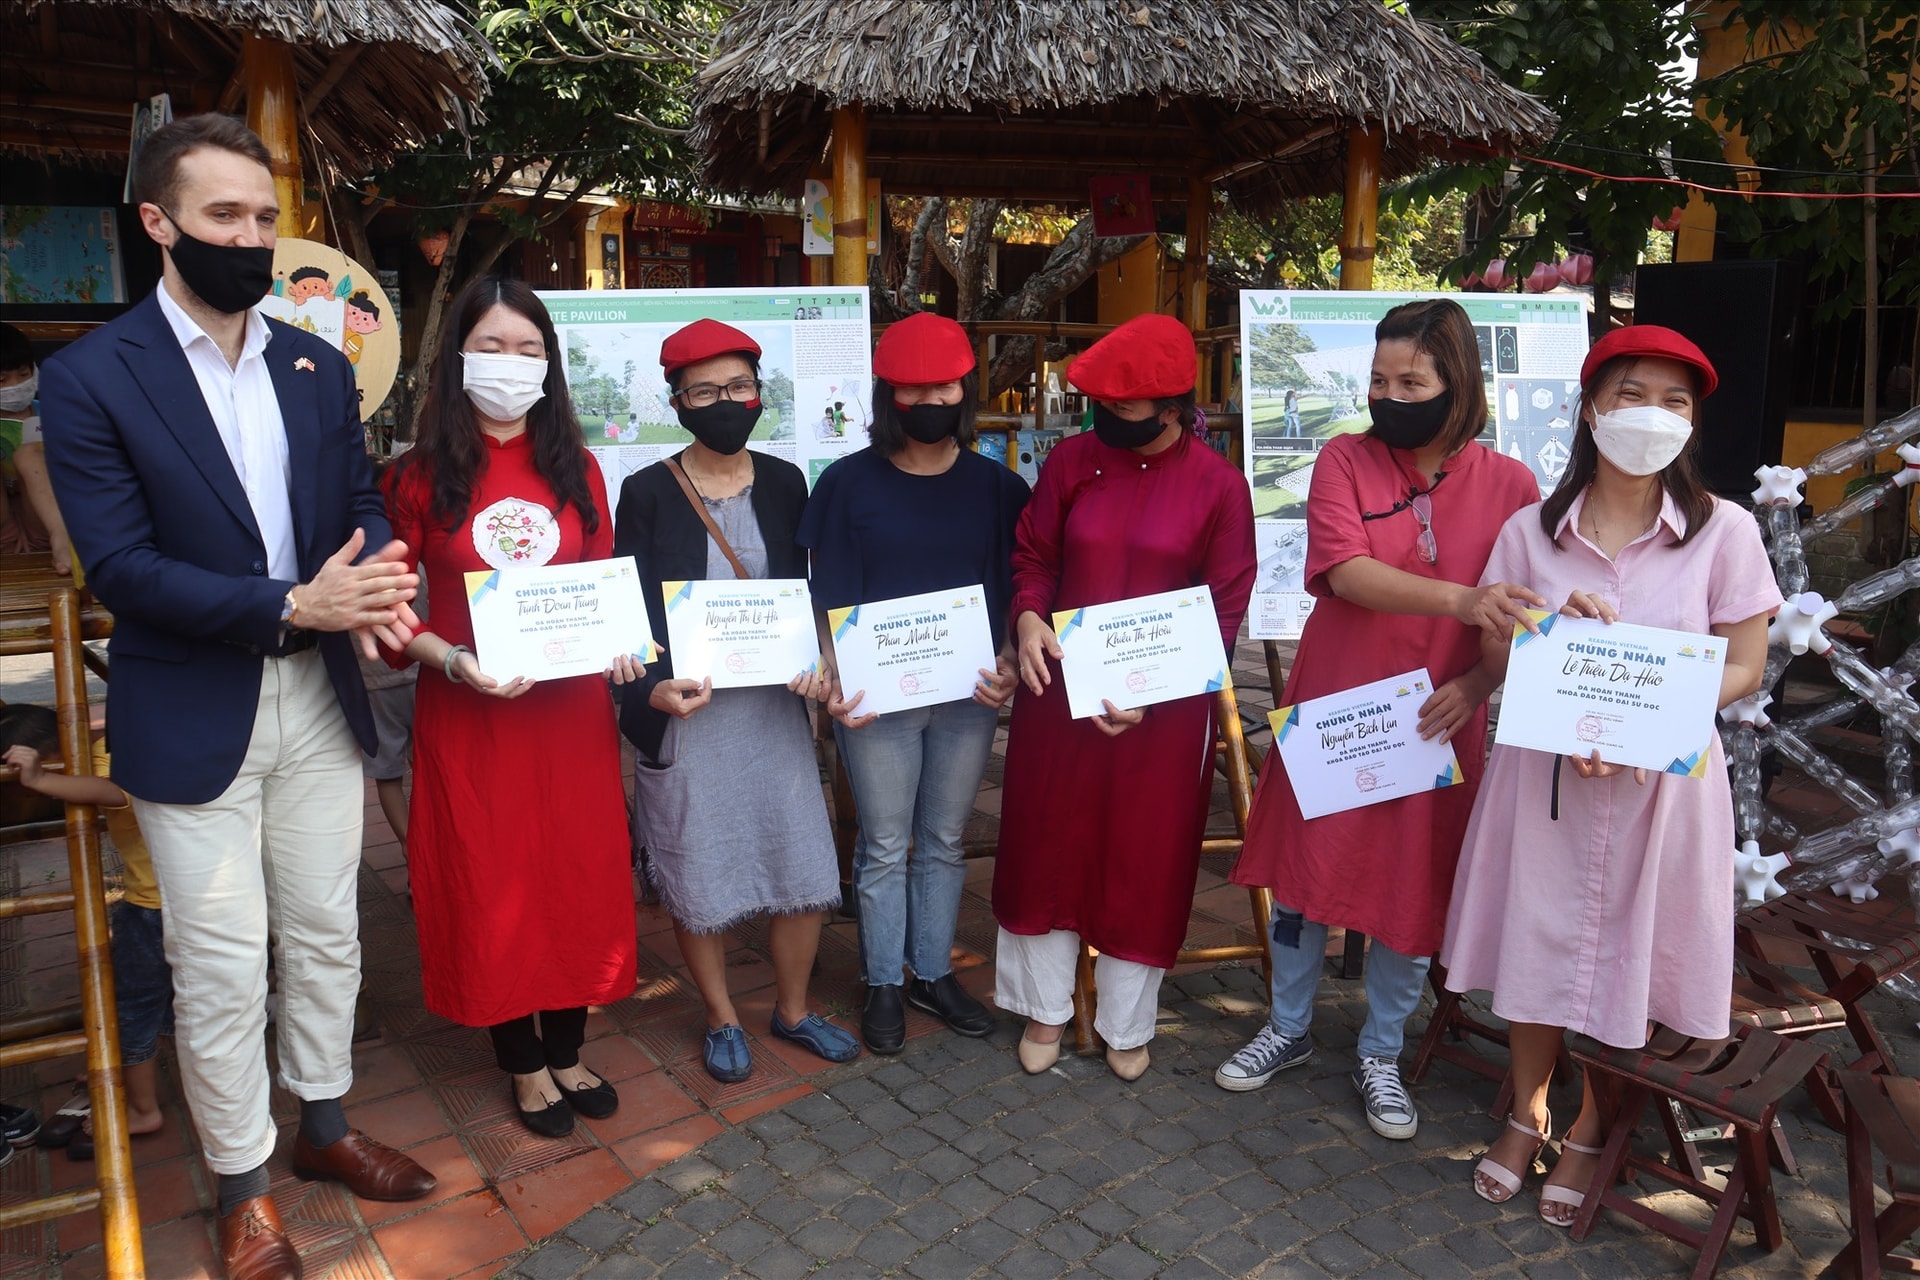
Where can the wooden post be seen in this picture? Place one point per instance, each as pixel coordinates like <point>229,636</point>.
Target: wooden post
<point>1194,276</point>
<point>1359,210</point>
<point>273,112</point>
<point>850,195</point>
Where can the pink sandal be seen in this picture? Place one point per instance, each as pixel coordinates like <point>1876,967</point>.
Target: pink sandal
<point>1506,1179</point>
<point>1552,1194</point>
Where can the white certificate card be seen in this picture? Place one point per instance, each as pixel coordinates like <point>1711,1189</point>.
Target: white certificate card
<point>1361,746</point>
<point>1137,652</point>
<point>1640,696</point>
<point>558,620</point>
<point>913,651</point>
<point>741,633</point>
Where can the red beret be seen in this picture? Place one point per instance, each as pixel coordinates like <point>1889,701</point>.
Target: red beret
<point>922,350</point>
<point>1650,340</point>
<point>1148,358</point>
<point>703,340</point>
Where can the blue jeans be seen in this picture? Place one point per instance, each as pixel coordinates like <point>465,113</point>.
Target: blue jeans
<point>915,775</point>
<point>142,982</point>
<point>1299,949</point>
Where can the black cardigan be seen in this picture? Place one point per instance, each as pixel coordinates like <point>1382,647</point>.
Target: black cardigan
<point>656,525</point>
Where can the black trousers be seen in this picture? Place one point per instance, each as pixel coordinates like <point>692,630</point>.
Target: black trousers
<point>521,1051</point>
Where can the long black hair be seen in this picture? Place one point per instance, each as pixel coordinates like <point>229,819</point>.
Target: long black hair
<point>889,437</point>
<point>1680,478</point>
<point>449,444</point>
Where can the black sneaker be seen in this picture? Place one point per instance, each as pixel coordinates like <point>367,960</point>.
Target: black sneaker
<point>18,1125</point>
<point>948,1001</point>
<point>883,1024</point>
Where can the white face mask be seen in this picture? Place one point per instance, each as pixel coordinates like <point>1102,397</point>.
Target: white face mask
<point>19,396</point>
<point>1641,440</point>
<point>503,387</point>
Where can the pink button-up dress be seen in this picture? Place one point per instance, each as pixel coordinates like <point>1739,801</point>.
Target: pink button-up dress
<point>1620,911</point>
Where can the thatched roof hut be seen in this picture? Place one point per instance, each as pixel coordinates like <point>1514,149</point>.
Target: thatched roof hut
<point>373,76</point>
<point>1028,99</point>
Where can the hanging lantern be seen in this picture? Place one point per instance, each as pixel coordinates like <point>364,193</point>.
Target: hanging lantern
<point>1671,222</point>
<point>1543,277</point>
<point>1577,269</point>
<point>433,246</point>
<point>1495,277</point>
<point>1473,281</point>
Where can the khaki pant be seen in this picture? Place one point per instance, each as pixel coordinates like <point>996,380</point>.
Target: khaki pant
<point>275,856</point>
<point>1033,977</point>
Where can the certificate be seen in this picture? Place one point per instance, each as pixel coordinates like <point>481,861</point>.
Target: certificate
<point>740,634</point>
<point>555,620</point>
<point>913,651</point>
<point>1640,696</point>
<point>1137,652</point>
<point>1362,746</point>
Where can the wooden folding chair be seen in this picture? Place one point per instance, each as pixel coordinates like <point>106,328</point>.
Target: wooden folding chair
<point>1882,1110</point>
<point>1233,757</point>
<point>62,627</point>
<point>1742,1089</point>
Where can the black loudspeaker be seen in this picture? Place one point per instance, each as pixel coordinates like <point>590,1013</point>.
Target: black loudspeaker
<point>1742,315</point>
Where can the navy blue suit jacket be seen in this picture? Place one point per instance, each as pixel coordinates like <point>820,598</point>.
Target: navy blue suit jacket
<point>160,521</point>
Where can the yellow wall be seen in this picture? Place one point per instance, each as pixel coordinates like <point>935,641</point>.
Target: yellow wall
<point>1806,438</point>
<point>1131,284</point>
<point>607,222</point>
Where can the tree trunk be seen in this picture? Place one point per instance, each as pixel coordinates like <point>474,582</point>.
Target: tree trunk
<point>1078,255</point>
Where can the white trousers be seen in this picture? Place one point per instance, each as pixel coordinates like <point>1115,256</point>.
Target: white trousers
<point>1033,977</point>
<point>275,855</point>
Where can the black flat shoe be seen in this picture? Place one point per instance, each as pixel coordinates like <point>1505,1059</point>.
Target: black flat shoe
<point>948,1001</point>
<point>555,1120</point>
<point>595,1102</point>
<point>883,1024</point>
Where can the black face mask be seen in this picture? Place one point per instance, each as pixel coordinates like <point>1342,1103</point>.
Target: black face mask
<point>227,277</point>
<point>1408,424</point>
<point>1124,433</point>
<point>722,426</point>
<point>928,423</point>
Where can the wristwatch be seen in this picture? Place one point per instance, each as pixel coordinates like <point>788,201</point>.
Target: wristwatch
<point>288,608</point>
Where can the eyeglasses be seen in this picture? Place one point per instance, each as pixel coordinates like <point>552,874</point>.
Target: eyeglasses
<point>702,394</point>
<point>1422,505</point>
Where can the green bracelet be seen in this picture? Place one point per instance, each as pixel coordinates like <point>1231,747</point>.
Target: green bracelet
<point>446,663</point>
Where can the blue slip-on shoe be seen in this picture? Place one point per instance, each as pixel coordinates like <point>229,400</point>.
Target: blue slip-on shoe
<point>726,1056</point>
<point>819,1036</point>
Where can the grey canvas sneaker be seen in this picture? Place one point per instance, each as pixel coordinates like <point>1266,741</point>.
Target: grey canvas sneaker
<point>1267,1053</point>
<point>1389,1108</point>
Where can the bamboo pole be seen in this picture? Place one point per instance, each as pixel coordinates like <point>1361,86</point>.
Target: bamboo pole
<point>273,112</point>
<point>850,195</point>
<point>1193,274</point>
<point>1359,209</point>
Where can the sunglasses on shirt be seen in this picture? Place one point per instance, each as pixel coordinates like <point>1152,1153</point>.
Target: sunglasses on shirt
<point>1420,502</point>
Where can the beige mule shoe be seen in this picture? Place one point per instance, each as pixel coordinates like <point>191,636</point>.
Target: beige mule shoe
<point>1036,1057</point>
<point>1129,1064</point>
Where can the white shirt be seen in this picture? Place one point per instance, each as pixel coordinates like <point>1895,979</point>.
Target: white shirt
<point>246,413</point>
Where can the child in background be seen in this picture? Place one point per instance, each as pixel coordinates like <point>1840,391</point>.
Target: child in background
<point>142,979</point>
<point>29,516</point>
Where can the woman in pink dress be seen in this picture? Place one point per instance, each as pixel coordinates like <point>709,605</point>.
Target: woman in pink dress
<point>1399,524</point>
<point>1587,897</point>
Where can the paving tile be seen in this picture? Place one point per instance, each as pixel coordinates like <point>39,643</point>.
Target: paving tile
<point>650,1101</point>
<point>451,1238</point>
<point>447,1160</point>
<point>645,1152</point>
<point>548,1199</point>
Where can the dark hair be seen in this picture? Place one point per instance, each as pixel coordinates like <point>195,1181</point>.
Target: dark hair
<point>1440,328</point>
<point>889,437</point>
<point>15,350</point>
<point>361,302</point>
<point>156,171</point>
<point>1681,478</point>
<point>449,444</point>
<point>753,363</point>
<point>24,725</point>
<point>308,273</point>
<point>1189,412</point>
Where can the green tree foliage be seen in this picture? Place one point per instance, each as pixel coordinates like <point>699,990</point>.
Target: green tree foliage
<point>1297,247</point>
<point>1612,71</point>
<point>566,113</point>
<point>1825,94</point>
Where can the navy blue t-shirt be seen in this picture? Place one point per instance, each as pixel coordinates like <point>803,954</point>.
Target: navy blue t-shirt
<point>878,533</point>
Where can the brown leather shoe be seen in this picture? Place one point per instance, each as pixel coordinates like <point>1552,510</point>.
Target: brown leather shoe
<point>371,1170</point>
<point>253,1244</point>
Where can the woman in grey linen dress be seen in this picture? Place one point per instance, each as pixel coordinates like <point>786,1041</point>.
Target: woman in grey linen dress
<point>727,793</point>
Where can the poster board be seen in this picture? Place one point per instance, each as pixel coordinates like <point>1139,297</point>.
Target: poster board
<point>60,253</point>
<point>816,370</point>
<point>1306,359</point>
<point>320,289</point>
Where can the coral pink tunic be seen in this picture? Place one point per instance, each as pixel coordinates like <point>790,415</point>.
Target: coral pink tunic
<point>1386,869</point>
<point>1622,910</point>
<point>517,845</point>
<point>1101,836</point>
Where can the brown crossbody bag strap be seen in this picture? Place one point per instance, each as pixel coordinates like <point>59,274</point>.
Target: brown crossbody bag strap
<point>706,518</point>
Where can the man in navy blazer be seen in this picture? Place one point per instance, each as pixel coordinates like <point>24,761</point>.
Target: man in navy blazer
<point>212,469</point>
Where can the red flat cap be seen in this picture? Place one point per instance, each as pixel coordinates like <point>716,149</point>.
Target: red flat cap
<point>1650,340</point>
<point>703,340</point>
<point>922,350</point>
<point>1148,358</point>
